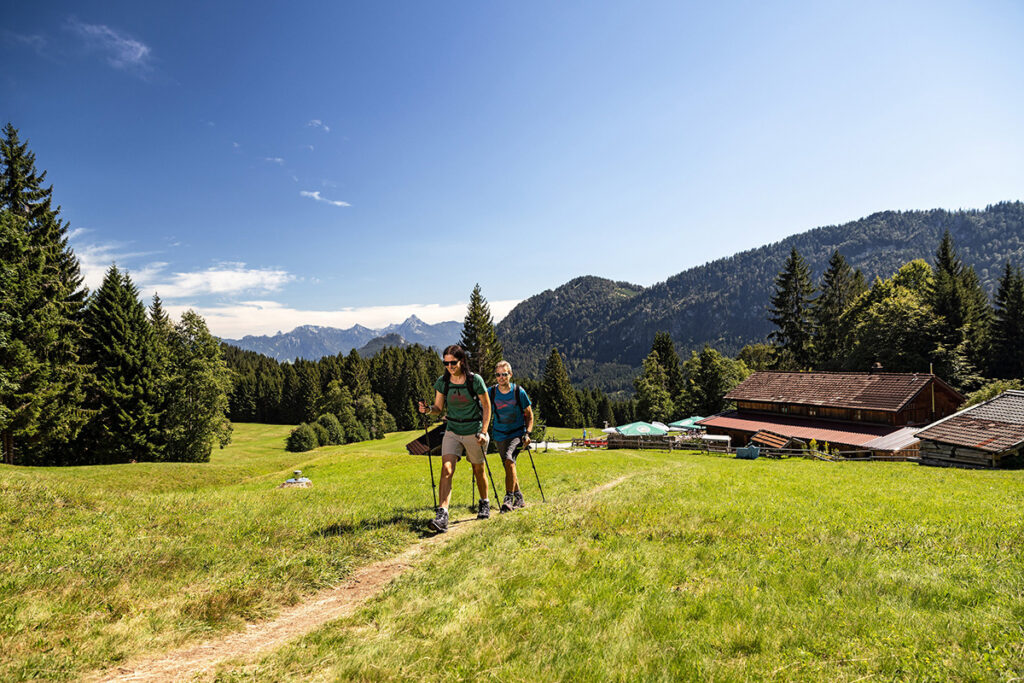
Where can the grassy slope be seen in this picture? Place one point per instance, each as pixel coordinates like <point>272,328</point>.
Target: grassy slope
<point>100,563</point>
<point>710,568</point>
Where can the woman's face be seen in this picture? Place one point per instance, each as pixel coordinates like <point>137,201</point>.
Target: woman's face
<point>451,363</point>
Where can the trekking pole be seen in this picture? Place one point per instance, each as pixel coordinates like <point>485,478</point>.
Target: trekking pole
<point>430,461</point>
<point>489,475</point>
<point>529,452</point>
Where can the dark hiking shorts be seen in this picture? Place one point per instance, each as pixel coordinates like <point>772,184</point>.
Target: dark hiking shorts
<point>508,449</point>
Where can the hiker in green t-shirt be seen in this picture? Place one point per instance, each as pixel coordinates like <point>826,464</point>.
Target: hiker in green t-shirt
<point>468,415</point>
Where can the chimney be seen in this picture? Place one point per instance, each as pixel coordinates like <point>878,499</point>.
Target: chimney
<point>876,367</point>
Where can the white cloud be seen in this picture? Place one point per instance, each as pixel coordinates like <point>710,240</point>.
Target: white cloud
<point>95,259</point>
<point>316,195</point>
<point>274,160</point>
<point>235,145</point>
<point>122,52</point>
<point>234,321</point>
<point>223,279</point>
<point>317,123</point>
<point>153,276</point>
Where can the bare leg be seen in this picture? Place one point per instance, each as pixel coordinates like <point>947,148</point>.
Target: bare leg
<point>447,472</point>
<point>481,479</point>
<point>511,478</point>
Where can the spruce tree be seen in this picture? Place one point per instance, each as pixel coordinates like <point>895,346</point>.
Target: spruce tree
<point>479,338</point>
<point>1007,355</point>
<point>22,194</point>
<point>197,398</point>
<point>653,401</point>
<point>840,286</point>
<point>669,361</point>
<point>710,376</point>
<point>124,389</point>
<point>163,368</point>
<point>559,403</point>
<point>26,328</point>
<point>791,311</point>
<point>963,317</point>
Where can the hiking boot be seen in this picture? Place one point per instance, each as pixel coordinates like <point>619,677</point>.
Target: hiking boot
<point>440,522</point>
<point>517,500</point>
<point>484,511</point>
<point>506,503</point>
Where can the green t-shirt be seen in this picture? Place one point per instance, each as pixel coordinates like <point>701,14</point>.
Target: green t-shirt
<point>464,417</point>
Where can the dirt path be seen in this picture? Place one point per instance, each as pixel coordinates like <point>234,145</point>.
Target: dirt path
<point>199,660</point>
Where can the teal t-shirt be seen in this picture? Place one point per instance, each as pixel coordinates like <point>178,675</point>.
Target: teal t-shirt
<point>464,417</point>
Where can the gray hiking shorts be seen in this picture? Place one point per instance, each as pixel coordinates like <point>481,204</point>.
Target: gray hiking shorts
<point>509,449</point>
<point>458,445</point>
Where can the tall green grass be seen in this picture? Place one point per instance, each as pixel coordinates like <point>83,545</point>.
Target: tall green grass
<point>709,568</point>
<point>98,564</point>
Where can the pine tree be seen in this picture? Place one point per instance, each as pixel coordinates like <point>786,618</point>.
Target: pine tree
<point>22,194</point>
<point>791,310</point>
<point>479,338</point>
<point>559,400</point>
<point>653,401</point>
<point>840,286</point>
<point>1007,356</point>
<point>124,388</point>
<point>197,400</point>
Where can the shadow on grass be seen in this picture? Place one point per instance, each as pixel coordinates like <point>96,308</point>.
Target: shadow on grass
<point>412,519</point>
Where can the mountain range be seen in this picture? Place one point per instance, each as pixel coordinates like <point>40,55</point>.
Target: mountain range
<point>313,342</point>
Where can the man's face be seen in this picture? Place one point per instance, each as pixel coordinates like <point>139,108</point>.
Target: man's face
<point>503,375</point>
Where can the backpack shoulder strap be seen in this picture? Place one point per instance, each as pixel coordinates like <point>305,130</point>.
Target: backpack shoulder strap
<point>447,385</point>
<point>470,377</point>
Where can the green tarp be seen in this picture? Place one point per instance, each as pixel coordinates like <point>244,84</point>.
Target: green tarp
<point>690,422</point>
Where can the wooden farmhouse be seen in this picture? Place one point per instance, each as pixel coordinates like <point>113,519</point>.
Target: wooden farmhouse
<point>990,434</point>
<point>877,413</point>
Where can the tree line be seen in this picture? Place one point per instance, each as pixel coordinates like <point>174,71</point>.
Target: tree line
<point>922,317</point>
<point>92,378</point>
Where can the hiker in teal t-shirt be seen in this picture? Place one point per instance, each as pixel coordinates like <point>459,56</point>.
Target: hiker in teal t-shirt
<point>513,422</point>
<point>464,394</point>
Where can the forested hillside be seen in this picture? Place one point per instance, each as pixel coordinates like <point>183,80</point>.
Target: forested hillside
<point>603,327</point>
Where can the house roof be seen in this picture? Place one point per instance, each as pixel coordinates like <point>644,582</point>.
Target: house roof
<point>993,426</point>
<point>805,429</point>
<point>885,391</point>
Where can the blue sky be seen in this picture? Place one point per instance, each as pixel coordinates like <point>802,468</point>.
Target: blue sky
<point>276,164</point>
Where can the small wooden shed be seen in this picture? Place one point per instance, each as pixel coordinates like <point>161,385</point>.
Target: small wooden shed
<point>990,434</point>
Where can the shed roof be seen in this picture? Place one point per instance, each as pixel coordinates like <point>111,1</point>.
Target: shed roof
<point>993,426</point>
<point>843,433</point>
<point>885,391</point>
<point>897,441</point>
<point>770,439</point>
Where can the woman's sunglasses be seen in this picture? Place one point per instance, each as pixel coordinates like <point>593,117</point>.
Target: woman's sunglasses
<point>450,362</point>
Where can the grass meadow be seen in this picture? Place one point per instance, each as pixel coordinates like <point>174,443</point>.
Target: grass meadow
<point>697,566</point>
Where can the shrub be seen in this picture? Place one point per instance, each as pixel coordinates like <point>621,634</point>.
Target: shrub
<point>335,434</point>
<point>302,438</point>
<point>322,437</point>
